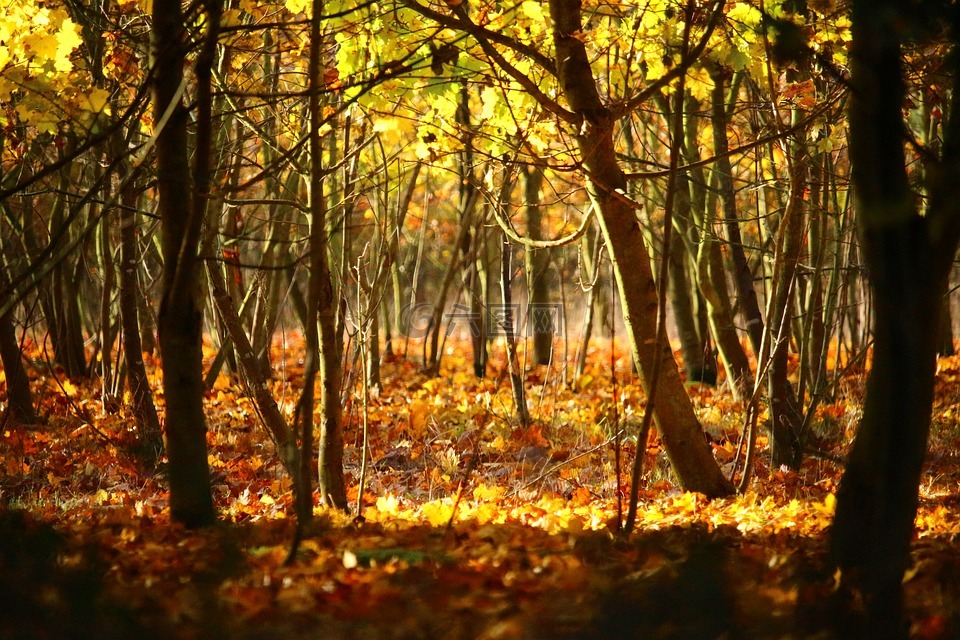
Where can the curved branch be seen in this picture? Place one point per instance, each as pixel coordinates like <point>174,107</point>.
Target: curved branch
<point>542,244</point>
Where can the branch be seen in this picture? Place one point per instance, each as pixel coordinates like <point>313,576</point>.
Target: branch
<point>464,22</point>
<point>631,104</point>
<point>482,33</point>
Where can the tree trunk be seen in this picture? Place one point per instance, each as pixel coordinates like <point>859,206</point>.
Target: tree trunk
<point>149,434</point>
<point>321,300</point>
<point>506,320</point>
<point>909,256</point>
<point>540,317</point>
<point>67,332</point>
<point>590,247</point>
<point>786,416</point>
<point>695,364</point>
<point>180,319</point>
<point>710,274</point>
<point>878,496</point>
<point>742,276</point>
<point>19,398</point>
<point>682,435</point>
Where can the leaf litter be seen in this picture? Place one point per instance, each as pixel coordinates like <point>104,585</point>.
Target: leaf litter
<point>529,550</point>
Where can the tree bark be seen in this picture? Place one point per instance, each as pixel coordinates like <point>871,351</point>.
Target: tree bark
<point>682,435</point>
<point>322,305</point>
<point>742,276</point>
<point>149,434</point>
<point>181,316</point>
<point>539,316</point>
<point>909,256</point>
<point>786,415</point>
<point>19,398</point>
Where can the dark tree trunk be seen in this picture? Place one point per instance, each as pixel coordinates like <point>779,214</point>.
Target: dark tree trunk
<point>19,398</point>
<point>507,321</point>
<point>878,496</point>
<point>180,320</point>
<point>149,435</point>
<point>67,332</point>
<point>710,273</point>
<point>786,416</point>
<point>909,257</point>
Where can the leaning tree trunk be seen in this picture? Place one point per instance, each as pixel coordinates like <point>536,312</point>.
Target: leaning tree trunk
<point>909,256</point>
<point>149,435</point>
<point>710,275</point>
<point>682,435</point>
<point>180,321</point>
<point>743,277</point>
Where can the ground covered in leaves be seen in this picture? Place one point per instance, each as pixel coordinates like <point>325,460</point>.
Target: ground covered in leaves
<point>528,551</point>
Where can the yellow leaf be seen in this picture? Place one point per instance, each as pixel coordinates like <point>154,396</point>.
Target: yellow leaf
<point>68,39</point>
<point>297,6</point>
<point>437,513</point>
<point>484,493</point>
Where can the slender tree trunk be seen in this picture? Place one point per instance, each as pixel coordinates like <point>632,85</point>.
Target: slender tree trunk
<point>468,243</point>
<point>19,398</point>
<point>181,317</point>
<point>432,348</point>
<point>591,246</point>
<point>711,277</point>
<point>786,416</point>
<point>540,317</point>
<point>507,321</point>
<point>695,366</point>
<point>478,292</point>
<point>256,382</point>
<point>67,332</point>
<point>743,276</point>
<point>108,269</point>
<point>324,344</point>
<point>149,435</point>
<point>681,432</point>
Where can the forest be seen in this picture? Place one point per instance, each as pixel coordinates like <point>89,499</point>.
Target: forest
<point>491,319</point>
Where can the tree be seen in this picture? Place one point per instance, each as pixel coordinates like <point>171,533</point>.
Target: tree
<point>181,206</point>
<point>679,427</point>
<point>909,255</point>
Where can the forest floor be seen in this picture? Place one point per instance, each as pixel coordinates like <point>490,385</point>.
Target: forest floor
<point>87,548</point>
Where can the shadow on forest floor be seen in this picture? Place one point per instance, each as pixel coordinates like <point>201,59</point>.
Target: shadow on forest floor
<point>493,581</point>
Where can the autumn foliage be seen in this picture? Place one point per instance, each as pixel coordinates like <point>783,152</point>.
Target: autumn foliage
<point>469,528</point>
